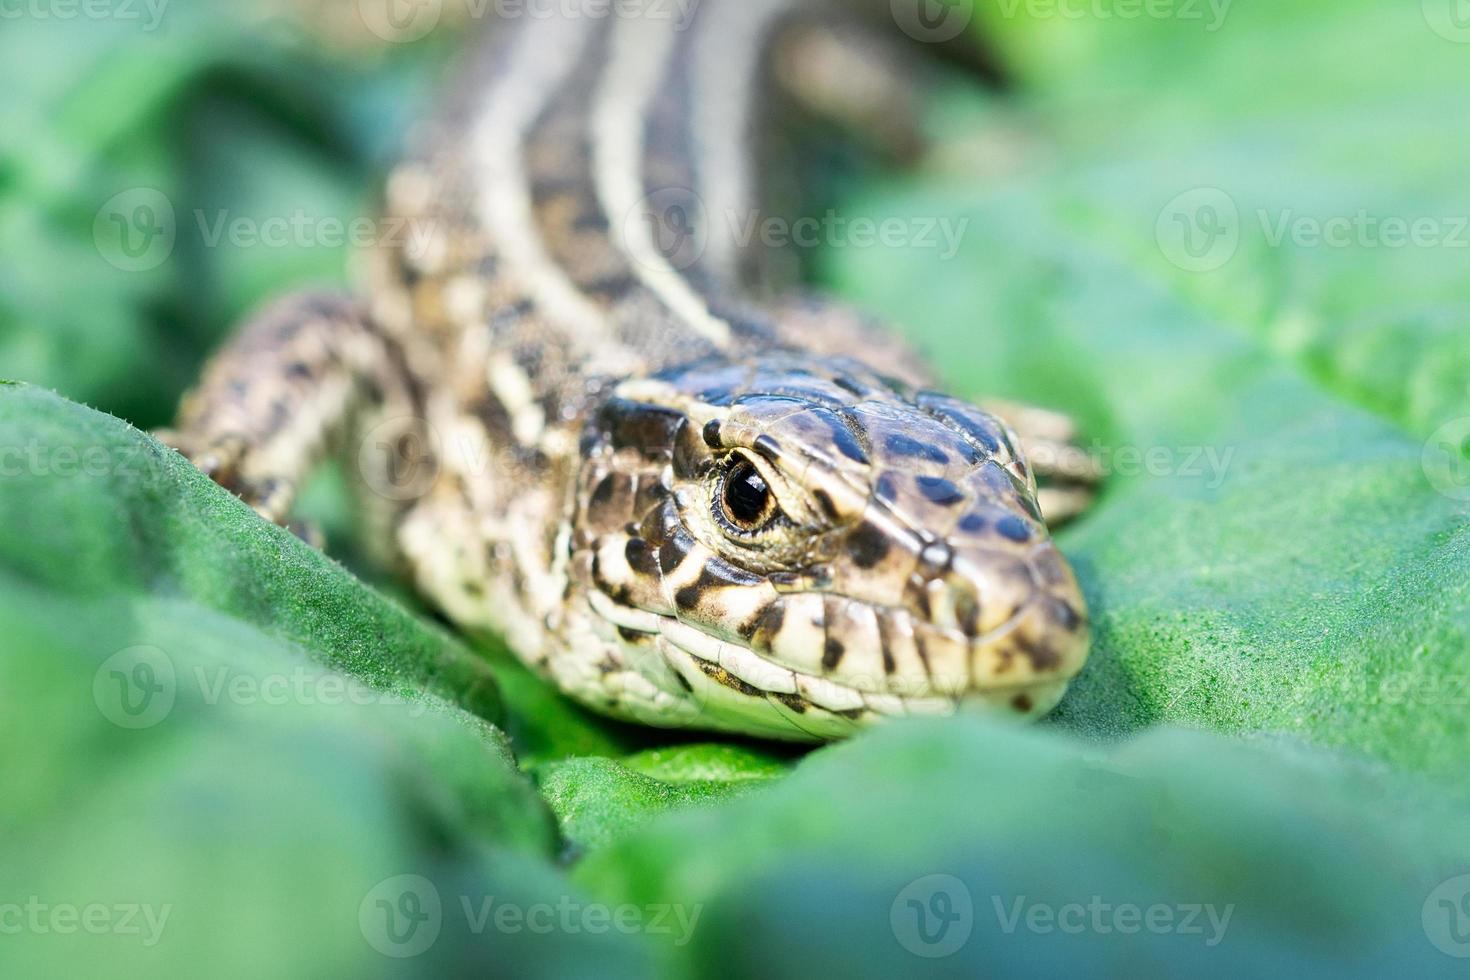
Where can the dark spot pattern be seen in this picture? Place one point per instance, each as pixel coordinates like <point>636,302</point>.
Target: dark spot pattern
<point>634,636</point>
<point>786,580</point>
<point>721,397</point>
<point>824,501</point>
<point>618,594</point>
<point>938,490</point>
<point>603,493</point>
<point>724,678</point>
<point>715,575</point>
<point>792,701</point>
<point>691,454</point>
<point>761,628</point>
<point>842,437</point>
<point>651,493</point>
<point>972,523</point>
<point>1043,658</point>
<point>611,501</point>
<point>922,649</point>
<point>641,558</point>
<point>674,550</point>
<point>832,653</point>
<point>909,448</point>
<point>611,288</point>
<point>1064,615</point>
<point>867,545</point>
<point>650,429</point>
<point>966,418</point>
<point>767,448</point>
<point>967,612</point>
<point>885,488</point>
<point>1013,528</point>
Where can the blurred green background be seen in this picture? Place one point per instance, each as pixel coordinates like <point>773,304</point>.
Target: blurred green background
<point>1230,236</point>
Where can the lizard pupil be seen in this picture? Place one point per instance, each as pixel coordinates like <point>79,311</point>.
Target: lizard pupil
<point>746,495</point>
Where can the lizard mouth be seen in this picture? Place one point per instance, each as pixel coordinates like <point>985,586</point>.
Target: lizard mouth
<point>701,680</point>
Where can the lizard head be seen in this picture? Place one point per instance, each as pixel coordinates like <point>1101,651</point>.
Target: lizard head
<point>796,546</point>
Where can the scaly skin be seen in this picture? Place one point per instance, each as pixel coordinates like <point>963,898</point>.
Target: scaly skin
<point>588,428</point>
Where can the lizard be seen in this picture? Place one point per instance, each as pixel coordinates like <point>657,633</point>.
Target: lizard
<point>587,418</point>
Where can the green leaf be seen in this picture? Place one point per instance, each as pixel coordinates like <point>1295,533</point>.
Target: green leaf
<point>1278,548</point>
<point>1234,858</point>
<point>98,509</point>
<point>214,726</point>
<point>1309,577</point>
<point>597,801</point>
<point>1299,112</point>
<point>232,146</point>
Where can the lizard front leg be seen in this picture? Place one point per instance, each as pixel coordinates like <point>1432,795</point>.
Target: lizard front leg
<point>294,382</point>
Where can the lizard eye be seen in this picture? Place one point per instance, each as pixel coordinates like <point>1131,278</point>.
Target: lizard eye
<point>746,501</point>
